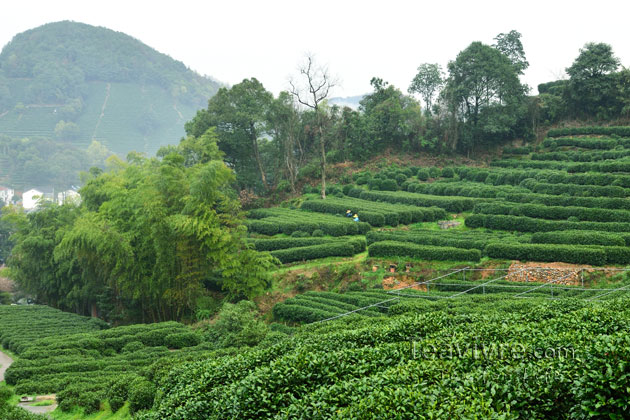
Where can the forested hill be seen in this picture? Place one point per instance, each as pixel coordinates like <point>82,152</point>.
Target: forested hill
<point>76,83</point>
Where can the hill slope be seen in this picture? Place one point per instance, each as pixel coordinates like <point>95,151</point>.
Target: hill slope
<point>116,89</point>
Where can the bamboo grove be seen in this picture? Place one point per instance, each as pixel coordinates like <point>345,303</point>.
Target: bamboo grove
<point>150,237</point>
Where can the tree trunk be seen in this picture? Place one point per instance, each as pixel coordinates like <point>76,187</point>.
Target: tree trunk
<point>323,165</point>
<point>322,149</point>
<point>257,157</point>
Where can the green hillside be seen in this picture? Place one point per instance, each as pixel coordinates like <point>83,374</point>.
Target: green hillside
<point>116,90</point>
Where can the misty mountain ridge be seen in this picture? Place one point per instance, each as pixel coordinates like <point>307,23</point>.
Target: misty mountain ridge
<point>75,83</point>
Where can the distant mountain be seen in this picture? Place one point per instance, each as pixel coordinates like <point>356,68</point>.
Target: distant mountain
<point>349,101</point>
<point>75,83</point>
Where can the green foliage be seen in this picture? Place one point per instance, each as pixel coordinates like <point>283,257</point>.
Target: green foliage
<point>447,203</point>
<point>281,220</point>
<point>554,213</point>
<point>316,306</point>
<point>239,115</point>
<point>21,325</point>
<point>150,234</point>
<point>118,392</point>
<point>465,241</point>
<point>591,83</point>
<point>427,82</point>
<point>328,370</point>
<point>484,83</point>
<point>388,248</point>
<point>34,161</point>
<point>375,213</point>
<point>547,252</point>
<point>331,249</point>
<point>622,131</point>
<point>529,224</point>
<point>562,200</point>
<point>141,395</point>
<point>85,366</point>
<point>283,243</point>
<point>237,326</point>
<point>578,237</point>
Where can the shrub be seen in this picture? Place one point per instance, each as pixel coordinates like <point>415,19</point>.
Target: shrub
<point>425,238</point>
<point>336,249</point>
<point>453,204</point>
<point>528,224</point>
<point>388,185</point>
<point>405,249</point>
<point>434,172</point>
<point>423,174</point>
<point>299,234</point>
<point>554,212</point>
<point>448,173</point>
<point>141,395</point>
<point>5,394</point>
<point>547,253</point>
<point>263,227</point>
<point>181,340</point>
<point>578,237</point>
<point>118,392</point>
<point>401,178</point>
<point>622,131</point>
<point>374,184</point>
<point>317,233</point>
<point>237,325</point>
<point>132,346</point>
<point>78,396</point>
<point>283,243</point>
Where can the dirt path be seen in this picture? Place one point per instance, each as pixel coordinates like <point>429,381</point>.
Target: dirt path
<point>103,108</point>
<point>5,362</point>
<point>42,409</point>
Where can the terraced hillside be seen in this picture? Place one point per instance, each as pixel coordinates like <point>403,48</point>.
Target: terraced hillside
<point>564,200</point>
<point>116,90</point>
<point>480,357</point>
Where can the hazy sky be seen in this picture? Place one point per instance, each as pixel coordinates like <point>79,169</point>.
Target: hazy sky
<point>232,40</point>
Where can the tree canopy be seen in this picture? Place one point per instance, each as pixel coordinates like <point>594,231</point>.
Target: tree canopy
<point>149,238</point>
<point>484,85</point>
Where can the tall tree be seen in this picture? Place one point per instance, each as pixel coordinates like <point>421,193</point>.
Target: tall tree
<point>427,82</point>
<point>484,84</point>
<point>285,122</point>
<point>591,90</point>
<point>239,115</point>
<point>392,118</point>
<point>311,89</point>
<point>511,46</point>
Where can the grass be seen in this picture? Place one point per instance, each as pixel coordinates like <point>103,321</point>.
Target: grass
<point>106,414</point>
<point>434,225</point>
<point>43,403</point>
<point>322,261</point>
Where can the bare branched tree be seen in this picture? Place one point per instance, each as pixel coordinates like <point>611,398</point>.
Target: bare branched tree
<point>310,90</point>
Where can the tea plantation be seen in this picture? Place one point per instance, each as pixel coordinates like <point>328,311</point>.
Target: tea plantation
<point>563,200</point>
<point>85,365</point>
<point>485,357</point>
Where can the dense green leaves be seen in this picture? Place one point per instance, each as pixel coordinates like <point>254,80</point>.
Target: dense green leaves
<point>390,248</point>
<point>442,359</point>
<point>150,237</point>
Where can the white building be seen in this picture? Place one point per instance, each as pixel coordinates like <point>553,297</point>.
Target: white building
<point>6,195</point>
<point>31,198</point>
<point>69,196</point>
